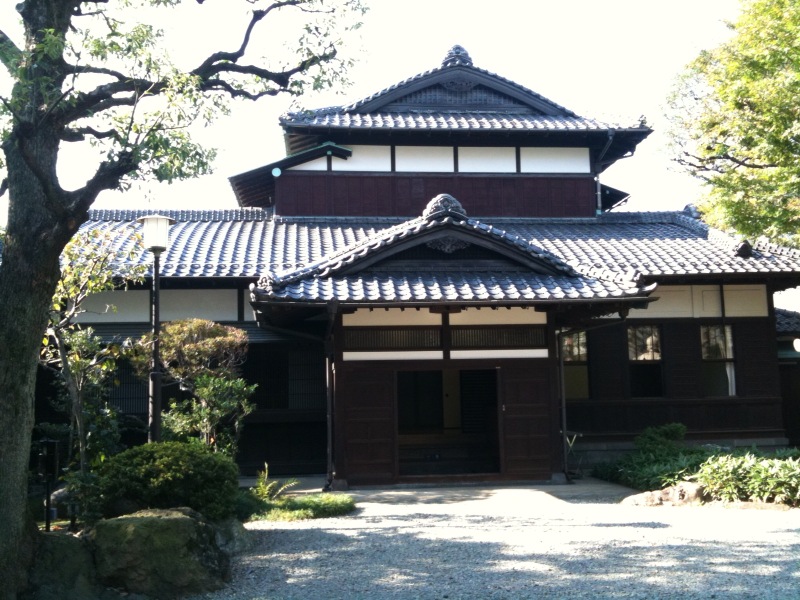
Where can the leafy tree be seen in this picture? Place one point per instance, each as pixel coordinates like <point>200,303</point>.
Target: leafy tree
<point>203,358</point>
<point>735,118</point>
<point>92,73</point>
<point>84,365</point>
<point>215,414</point>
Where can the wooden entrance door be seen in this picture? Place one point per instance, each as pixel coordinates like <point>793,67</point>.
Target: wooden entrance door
<point>529,422</point>
<point>365,425</point>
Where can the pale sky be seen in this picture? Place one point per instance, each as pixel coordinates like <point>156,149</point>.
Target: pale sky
<point>610,59</point>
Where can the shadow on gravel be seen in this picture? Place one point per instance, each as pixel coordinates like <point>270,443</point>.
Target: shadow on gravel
<point>411,562</point>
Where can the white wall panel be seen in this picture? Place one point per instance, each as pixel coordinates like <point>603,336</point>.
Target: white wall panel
<point>215,305</point>
<point>554,160</point>
<point>487,160</point>
<point>364,317</point>
<point>366,158</point>
<point>133,306</point>
<point>318,164</point>
<point>706,301</point>
<point>425,159</point>
<point>507,353</point>
<point>397,355</point>
<point>702,301</point>
<point>746,301</point>
<point>501,316</point>
<point>674,301</point>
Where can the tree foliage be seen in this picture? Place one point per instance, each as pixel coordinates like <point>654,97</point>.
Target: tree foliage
<point>203,357</point>
<point>99,74</point>
<point>91,264</point>
<point>736,122</point>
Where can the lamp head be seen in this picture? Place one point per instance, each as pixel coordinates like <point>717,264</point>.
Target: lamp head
<point>155,231</point>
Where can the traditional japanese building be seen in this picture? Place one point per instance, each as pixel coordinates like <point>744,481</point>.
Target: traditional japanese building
<point>436,287</point>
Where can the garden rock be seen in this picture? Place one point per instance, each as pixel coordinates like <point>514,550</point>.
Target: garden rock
<point>62,569</point>
<point>644,499</point>
<point>681,494</point>
<point>163,553</point>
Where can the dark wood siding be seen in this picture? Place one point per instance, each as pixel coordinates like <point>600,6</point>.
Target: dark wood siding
<point>608,362</point>
<point>529,422</point>
<point>406,194</point>
<point>756,352</point>
<point>680,344</point>
<point>755,411</point>
<point>366,441</point>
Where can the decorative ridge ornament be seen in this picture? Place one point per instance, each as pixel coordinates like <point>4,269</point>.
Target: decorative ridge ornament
<point>443,204</point>
<point>457,56</point>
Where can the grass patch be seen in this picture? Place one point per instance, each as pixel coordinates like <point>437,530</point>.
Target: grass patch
<point>306,506</point>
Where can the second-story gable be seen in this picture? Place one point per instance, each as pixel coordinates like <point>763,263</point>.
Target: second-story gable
<point>499,147</point>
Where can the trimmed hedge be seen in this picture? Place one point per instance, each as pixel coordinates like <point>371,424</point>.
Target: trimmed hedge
<point>169,475</point>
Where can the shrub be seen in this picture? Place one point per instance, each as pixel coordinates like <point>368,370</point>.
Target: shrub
<point>662,440</point>
<point>269,489</point>
<point>167,475</point>
<point>750,476</point>
<point>724,476</point>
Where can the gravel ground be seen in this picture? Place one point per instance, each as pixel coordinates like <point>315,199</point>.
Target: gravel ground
<point>570,541</point>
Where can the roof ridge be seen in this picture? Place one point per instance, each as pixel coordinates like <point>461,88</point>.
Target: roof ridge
<point>182,215</point>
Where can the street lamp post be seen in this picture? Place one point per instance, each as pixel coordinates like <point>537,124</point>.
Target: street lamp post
<point>155,231</point>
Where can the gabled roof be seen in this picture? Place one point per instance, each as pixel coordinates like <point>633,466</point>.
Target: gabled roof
<point>460,98</point>
<point>257,187</point>
<point>365,272</point>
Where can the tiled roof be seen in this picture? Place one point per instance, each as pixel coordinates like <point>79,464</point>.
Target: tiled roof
<point>456,96</point>
<point>787,322</point>
<point>530,274</point>
<point>459,287</point>
<point>465,121</point>
<point>249,243</point>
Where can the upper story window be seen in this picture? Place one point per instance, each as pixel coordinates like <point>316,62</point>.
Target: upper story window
<point>576,365</point>
<point>718,372</point>
<point>644,356</point>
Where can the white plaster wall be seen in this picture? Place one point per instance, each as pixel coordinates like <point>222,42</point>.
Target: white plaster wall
<point>366,158</point>
<point>554,160</point>
<point>215,305</point>
<point>363,317</point>
<point>501,316</point>
<point>397,355</point>
<point>502,353</point>
<point>746,301</point>
<point>425,159</point>
<point>318,164</point>
<point>702,301</point>
<point>132,306</point>
<point>673,302</point>
<point>487,160</point>
<point>706,302</point>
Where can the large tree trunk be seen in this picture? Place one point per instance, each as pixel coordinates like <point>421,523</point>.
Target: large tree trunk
<point>28,274</point>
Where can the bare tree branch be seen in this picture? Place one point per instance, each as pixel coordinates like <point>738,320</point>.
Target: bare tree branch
<point>107,177</point>
<point>79,134</point>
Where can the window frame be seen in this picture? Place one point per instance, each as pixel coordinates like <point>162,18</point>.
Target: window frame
<point>726,356</point>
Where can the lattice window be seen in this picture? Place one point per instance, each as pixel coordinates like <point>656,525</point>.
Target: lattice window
<point>497,337</point>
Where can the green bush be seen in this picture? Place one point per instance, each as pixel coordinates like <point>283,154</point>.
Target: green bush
<point>248,504</point>
<point>752,476</point>
<point>661,459</point>
<point>167,475</point>
<point>662,440</point>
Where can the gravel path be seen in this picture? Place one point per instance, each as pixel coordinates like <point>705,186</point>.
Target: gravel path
<point>523,542</point>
